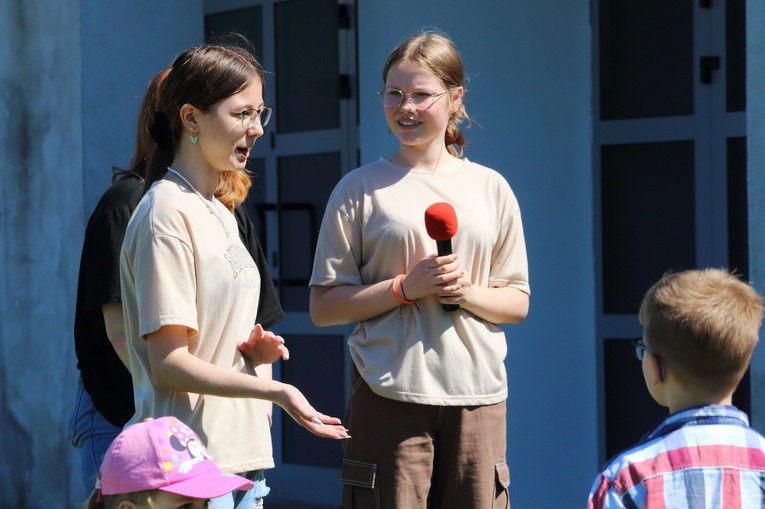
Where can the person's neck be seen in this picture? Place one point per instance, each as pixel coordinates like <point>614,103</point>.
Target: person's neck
<point>429,160</point>
<point>202,178</point>
<point>684,401</point>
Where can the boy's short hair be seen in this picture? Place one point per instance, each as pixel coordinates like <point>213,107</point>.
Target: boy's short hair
<point>703,325</point>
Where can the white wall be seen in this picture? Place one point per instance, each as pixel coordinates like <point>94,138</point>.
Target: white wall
<point>530,91</point>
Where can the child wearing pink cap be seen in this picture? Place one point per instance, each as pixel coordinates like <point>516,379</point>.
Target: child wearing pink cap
<point>160,464</point>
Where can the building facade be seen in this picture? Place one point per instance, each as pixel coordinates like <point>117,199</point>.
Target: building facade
<point>545,81</point>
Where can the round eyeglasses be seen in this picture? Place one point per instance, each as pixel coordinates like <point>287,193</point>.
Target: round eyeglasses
<point>248,117</point>
<point>393,98</point>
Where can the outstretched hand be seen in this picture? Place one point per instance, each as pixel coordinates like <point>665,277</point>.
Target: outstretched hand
<point>297,406</point>
<point>263,347</point>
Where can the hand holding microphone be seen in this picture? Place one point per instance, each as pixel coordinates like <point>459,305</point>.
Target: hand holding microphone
<point>441,224</point>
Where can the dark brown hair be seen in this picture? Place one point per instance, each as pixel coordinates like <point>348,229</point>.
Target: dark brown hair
<point>202,76</point>
<point>144,145</point>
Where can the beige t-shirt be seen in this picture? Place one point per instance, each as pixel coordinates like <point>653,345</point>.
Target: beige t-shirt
<point>178,267</point>
<point>374,229</point>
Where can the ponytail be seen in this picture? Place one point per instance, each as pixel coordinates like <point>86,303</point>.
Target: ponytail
<point>164,152</point>
<point>455,139</point>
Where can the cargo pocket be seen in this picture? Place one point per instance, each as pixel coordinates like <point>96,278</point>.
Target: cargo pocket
<point>359,486</point>
<point>502,486</point>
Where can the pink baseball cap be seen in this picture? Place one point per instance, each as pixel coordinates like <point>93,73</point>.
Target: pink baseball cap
<point>164,454</point>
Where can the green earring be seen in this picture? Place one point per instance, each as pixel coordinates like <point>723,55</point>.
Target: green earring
<point>193,138</point>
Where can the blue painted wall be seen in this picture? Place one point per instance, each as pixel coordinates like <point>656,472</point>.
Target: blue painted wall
<point>755,81</point>
<point>71,77</point>
<point>124,44</point>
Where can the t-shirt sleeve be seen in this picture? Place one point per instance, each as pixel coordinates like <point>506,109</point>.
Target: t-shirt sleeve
<point>509,265</point>
<point>101,254</point>
<point>165,284</point>
<point>338,255</point>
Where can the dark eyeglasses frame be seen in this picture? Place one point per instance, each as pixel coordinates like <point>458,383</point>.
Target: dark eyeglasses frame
<point>641,348</point>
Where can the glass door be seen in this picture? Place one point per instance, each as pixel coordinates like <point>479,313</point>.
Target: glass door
<point>670,167</point>
<point>308,50</point>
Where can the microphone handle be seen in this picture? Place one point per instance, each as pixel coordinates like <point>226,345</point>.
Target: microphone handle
<point>445,248</point>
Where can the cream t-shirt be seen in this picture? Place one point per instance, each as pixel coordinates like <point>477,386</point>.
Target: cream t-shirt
<point>179,268</point>
<point>374,228</point>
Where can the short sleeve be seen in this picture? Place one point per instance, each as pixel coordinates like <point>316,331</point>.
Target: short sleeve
<point>509,264</point>
<point>165,284</point>
<point>338,255</point>
<point>101,254</point>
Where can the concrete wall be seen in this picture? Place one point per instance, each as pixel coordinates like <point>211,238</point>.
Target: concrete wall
<point>530,91</point>
<point>72,74</point>
<point>40,232</point>
<point>117,65</point>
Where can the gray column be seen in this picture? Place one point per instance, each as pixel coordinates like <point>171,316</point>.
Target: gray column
<point>40,238</point>
<point>755,86</point>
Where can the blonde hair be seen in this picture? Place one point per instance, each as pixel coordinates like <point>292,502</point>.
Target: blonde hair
<point>437,53</point>
<point>704,325</point>
<point>141,498</point>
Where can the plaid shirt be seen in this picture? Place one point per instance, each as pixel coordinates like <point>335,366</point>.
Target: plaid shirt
<point>703,457</point>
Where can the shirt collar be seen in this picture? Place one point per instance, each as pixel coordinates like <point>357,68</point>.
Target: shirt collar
<point>702,414</point>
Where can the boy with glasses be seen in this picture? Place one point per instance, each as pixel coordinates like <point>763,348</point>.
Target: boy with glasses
<point>699,330</point>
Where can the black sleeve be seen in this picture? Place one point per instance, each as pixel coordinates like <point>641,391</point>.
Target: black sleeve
<point>101,257</point>
<point>105,378</point>
<point>269,308</point>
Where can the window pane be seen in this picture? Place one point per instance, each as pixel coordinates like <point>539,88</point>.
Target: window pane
<point>255,204</point>
<point>735,67</point>
<point>647,194</point>
<point>738,230</point>
<point>248,22</point>
<point>631,412</point>
<point>307,65</point>
<point>646,58</point>
<point>305,183</point>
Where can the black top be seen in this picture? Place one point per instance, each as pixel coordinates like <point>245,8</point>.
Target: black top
<point>104,376</point>
<point>269,309</point>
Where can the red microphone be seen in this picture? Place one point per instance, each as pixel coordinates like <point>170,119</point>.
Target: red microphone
<point>441,223</point>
